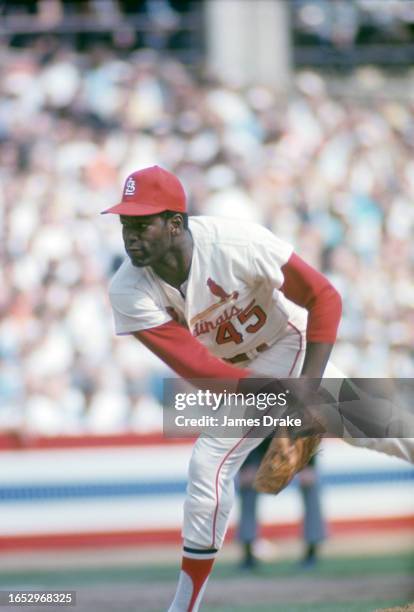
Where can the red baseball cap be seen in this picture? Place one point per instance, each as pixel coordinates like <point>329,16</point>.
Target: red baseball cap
<point>150,191</point>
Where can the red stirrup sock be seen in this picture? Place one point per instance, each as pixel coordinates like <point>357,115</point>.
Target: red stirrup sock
<point>195,570</point>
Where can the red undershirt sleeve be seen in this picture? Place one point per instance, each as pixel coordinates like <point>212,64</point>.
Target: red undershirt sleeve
<point>306,287</point>
<point>184,354</point>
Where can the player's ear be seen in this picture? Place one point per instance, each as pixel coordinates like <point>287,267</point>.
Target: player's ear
<point>176,224</point>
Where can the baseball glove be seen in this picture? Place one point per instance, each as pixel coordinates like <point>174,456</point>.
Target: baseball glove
<point>283,459</point>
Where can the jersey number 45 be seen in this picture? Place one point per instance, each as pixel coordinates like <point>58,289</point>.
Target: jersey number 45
<point>226,332</point>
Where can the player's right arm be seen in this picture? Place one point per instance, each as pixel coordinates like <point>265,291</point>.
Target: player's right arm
<point>177,347</point>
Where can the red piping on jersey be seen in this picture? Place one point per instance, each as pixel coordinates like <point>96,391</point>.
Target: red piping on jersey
<point>176,347</point>
<point>306,287</point>
<point>213,543</point>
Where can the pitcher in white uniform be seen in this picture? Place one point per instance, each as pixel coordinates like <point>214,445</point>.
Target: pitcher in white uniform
<point>222,299</point>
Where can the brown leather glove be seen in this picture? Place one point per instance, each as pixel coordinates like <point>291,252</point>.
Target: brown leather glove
<point>283,459</point>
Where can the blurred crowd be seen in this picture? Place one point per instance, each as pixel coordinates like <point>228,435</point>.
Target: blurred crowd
<point>335,176</point>
<point>121,24</point>
<point>344,23</point>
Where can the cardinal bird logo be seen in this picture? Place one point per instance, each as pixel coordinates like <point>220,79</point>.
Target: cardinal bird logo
<point>219,291</point>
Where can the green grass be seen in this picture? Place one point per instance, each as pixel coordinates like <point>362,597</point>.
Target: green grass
<point>328,568</point>
<point>335,568</point>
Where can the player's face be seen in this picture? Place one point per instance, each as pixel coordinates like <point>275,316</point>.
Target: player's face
<point>146,239</point>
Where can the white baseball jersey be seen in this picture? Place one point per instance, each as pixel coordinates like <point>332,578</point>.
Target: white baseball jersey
<point>232,302</point>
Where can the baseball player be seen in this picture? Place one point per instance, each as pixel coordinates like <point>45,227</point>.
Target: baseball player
<point>215,299</point>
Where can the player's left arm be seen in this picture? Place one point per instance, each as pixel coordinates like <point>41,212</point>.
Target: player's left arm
<point>310,289</point>
<point>306,287</point>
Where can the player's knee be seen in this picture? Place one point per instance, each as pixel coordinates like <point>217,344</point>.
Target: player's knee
<point>226,498</point>
<point>206,472</point>
<point>198,501</point>
<point>212,494</point>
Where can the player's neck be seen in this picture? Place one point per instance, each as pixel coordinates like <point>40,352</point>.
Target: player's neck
<point>174,268</point>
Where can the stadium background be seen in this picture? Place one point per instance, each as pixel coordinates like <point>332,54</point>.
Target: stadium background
<point>297,115</point>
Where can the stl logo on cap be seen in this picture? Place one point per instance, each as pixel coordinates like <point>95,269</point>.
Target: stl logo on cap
<point>130,186</point>
<point>150,191</point>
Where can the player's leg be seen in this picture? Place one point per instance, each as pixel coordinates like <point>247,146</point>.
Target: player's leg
<point>210,492</point>
<point>403,448</point>
<point>210,495</point>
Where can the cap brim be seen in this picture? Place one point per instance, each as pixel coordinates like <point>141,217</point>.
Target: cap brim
<point>134,210</point>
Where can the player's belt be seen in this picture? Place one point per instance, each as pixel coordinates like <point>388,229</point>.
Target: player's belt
<point>249,355</point>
